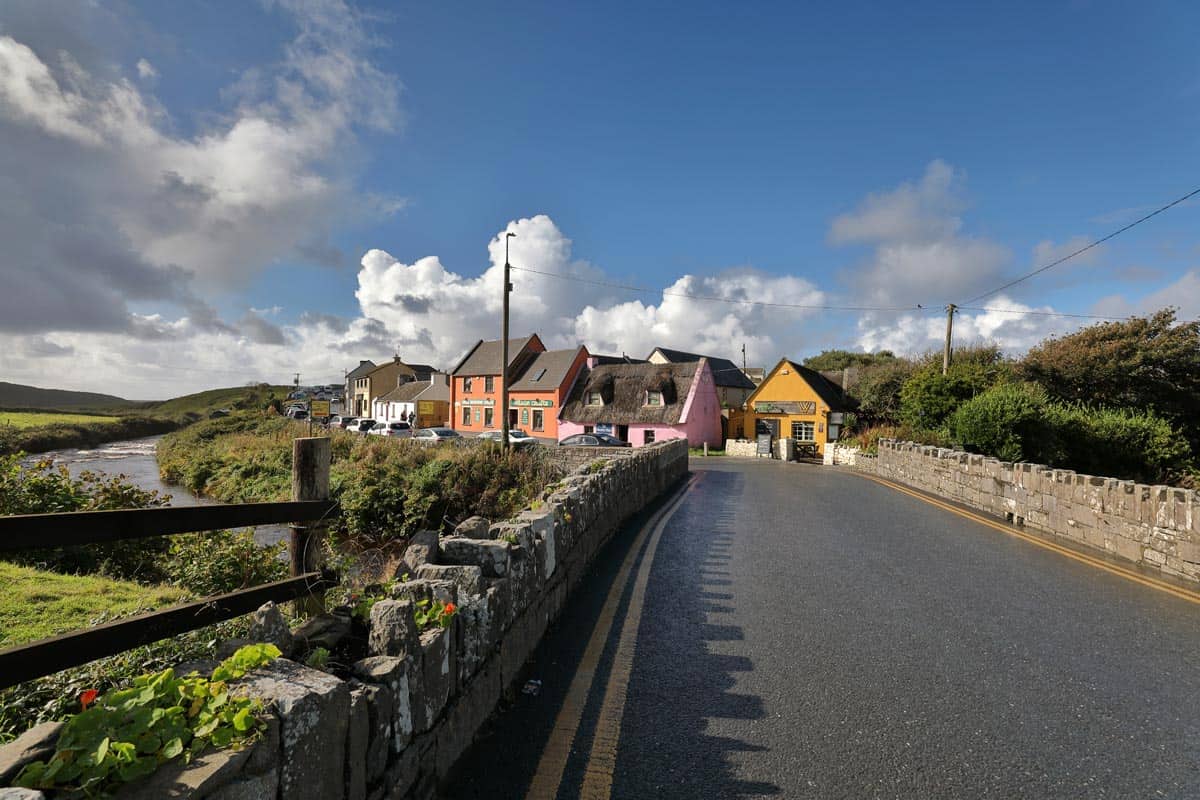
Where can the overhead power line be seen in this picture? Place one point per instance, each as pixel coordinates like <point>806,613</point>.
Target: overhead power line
<point>1039,313</point>
<point>669,293</point>
<point>1082,250</point>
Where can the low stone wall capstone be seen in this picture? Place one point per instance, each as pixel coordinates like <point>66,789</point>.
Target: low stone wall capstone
<point>1157,527</point>
<point>414,705</point>
<point>741,447</point>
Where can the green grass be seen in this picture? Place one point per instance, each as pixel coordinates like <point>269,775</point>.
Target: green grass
<point>699,451</point>
<point>236,397</point>
<point>36,604</point>
<point>35,419</point>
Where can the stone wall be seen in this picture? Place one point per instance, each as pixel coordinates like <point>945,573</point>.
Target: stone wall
<point>741,447</point>
<point>840,454</point>
<point>572,458</point>
<point>1157,527</point>
<point>413,706</point>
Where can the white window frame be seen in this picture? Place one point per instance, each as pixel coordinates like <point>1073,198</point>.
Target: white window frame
<point>652,396</point>
<point>595,399</point>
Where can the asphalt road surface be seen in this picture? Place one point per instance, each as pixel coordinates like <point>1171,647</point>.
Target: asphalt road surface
<point>807,633</point>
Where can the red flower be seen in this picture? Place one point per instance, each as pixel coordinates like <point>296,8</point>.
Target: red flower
<point>87,698</point>
<point>450,608</point>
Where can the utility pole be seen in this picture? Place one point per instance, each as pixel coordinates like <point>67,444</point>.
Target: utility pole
<point>950,309</point>
<point>504,352</point>
<point>743,356</point>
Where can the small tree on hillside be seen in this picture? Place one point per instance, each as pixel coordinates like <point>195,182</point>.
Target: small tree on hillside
<point>877,390</point>
<point>1141,363</point>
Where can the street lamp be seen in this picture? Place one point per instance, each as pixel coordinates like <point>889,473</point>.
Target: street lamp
<point>504,351</point>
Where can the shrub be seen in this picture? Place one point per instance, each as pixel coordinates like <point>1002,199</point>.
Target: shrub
<point>877,390</point>
<point>45,489</point>
<point>1007,421</point>
<point>1120,443</point>
<point>223,561</point>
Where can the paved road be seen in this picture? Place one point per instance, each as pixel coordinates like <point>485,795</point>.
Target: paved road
<point>808,633</point>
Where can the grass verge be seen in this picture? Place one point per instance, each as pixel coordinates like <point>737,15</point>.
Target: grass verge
<point>36,604</point>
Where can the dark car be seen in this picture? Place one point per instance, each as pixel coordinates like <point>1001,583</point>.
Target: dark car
<point>592,440</point>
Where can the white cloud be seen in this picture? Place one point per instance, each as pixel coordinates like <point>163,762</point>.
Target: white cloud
<point>146,70</point>
<point>99,191</point>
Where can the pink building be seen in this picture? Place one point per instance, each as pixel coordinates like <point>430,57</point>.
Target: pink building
<point>645,403</point>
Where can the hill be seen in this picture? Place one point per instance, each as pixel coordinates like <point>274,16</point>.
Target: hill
<point>235,397</point>
<point>15,395</point>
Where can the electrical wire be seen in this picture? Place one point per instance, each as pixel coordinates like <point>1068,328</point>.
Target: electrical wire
<point>669,293</point>
<point>1082,250</point>
<point>1039,313</point>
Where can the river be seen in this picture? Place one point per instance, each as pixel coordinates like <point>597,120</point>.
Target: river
<point>134,459</point>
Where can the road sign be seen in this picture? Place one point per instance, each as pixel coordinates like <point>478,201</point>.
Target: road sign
<point>318,408</point>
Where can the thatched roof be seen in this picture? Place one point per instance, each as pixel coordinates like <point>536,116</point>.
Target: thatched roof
<point>623,389</point>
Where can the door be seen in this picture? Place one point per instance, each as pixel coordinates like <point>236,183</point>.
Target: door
<point>770,426</point>
<point>622,433</point>
<point>512,419</point>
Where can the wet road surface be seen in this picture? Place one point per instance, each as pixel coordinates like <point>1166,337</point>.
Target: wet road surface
<point>806,633</point>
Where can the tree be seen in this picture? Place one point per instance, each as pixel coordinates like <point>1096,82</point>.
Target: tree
<point>877,390</point>
<point>1141,363</point>
<point>840,359</point>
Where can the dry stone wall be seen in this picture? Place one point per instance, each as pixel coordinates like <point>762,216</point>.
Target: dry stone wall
<point>395,728</point>
<point>1157,527</point>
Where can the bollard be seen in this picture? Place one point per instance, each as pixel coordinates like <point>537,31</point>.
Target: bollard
<point>706,449</point>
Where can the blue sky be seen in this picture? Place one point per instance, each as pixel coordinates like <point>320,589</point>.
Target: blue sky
<point>845,154</point>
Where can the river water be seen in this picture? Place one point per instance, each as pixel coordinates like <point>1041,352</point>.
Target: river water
<point>134,460</point>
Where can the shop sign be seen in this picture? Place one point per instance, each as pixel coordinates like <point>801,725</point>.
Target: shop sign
<point>786,406</point>
<point>477,402</point>
<point>604,427</point>
<point>425,407</point>
<point>534,403</point>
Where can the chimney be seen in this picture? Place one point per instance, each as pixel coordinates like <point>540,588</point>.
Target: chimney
<point>396,359</point>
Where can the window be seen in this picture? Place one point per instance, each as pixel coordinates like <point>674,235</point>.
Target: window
<point>648,437</point>
<point>489,384</point>
<point>589,429</point>
<point>654,398</point>
<point>802,431</point>
<point>538,419</point>
<point>466,415</point>
<point>467,385</point>
<point>539,376</point>
<point>594,399</point>
<point>488,418</point>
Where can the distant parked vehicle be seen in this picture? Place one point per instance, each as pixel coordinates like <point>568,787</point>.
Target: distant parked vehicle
<point>396,430</point>
<point>297,413</point>
<point>361,425</point>
<point>436,434</point>
<point>516,437</point>
<point>340,421</point>
<point>592,440</point>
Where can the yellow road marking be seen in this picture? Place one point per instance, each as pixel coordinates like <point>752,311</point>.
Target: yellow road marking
<point>553,762</point>
<point>602,761</point>
<point>1128,574</point>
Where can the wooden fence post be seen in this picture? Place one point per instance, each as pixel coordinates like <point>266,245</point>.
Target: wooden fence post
<point>310,481</point>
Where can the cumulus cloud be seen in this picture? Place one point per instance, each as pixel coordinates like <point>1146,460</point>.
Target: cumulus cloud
<point>146,70</point>
<point>101,202</point>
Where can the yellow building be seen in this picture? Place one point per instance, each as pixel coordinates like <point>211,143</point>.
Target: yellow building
<point>798,403</point>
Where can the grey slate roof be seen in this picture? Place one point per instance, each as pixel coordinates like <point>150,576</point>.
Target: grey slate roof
<point>623,387</point>
<point>556,363</point>
<point>484,357</point>
<point>362,369</point>
<point>725,372</point>
<point>826,389</point>
<point>405,392</point>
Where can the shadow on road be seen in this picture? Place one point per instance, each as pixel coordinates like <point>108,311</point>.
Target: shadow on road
<point>676,740</point>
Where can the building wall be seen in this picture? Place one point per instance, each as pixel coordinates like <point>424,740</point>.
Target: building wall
<point>477,400</point>
<point>636,435</point>
<point>702,412</point>
<point>517,401</point>
<point>784,384</point>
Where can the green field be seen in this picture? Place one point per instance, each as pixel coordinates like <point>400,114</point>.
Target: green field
<point>237,397</point>
<point>33,419</point>
<point>36,604</point>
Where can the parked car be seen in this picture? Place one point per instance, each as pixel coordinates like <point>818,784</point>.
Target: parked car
<point>436,434</point>
<point>397,430</point>
<point>297,413</point>
<point>341,421</point>
<point>361,425</point>
<point>516,437</point>
<point>592,440</point>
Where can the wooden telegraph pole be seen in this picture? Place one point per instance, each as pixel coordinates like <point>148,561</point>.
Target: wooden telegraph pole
<point>310,481</point>
<point>504,351</point>
<point>950,309</point>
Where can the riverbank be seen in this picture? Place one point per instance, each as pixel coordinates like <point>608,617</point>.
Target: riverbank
<point>64,435</point>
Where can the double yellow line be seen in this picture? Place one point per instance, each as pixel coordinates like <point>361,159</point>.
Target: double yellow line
<point>598,774</point>
<point>1128,574</point>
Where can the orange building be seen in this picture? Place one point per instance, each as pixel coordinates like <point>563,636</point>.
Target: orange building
<point>537,395</point>
<point>475,383</point>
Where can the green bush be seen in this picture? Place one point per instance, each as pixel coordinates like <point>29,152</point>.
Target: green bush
<point>1007,421</point>
<point>928,398</point>
<point>1119,443</point>
<point>223,561</point>
<point>46,489</point>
